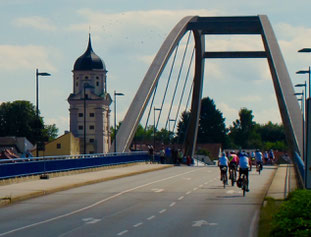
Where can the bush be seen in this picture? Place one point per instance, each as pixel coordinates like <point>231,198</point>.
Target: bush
<point>294,216</point>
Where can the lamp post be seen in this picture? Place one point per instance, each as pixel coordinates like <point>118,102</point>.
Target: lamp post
<point>305,72</point>
<point>37,96</point>
<point>307,151</point>
<point>303,100</point>
<point>115,118</point>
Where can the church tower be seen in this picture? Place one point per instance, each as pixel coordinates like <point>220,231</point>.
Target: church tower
<point>89,103</point>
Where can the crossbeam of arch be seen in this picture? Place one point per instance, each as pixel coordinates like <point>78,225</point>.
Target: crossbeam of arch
<point>201,26</point>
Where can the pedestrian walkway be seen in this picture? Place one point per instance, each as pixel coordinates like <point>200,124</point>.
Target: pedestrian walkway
<point>284,181</point>
<point>10,193</point>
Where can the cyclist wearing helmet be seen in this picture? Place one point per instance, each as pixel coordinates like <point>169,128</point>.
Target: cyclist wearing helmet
<point>223,162</point>
<point>244,166</point>
<point>258,156</point>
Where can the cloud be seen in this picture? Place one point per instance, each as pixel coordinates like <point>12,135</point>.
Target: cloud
<point>251,98</point>
<point>229,113</point>
<point>14,57</point>
<point>36,22</point>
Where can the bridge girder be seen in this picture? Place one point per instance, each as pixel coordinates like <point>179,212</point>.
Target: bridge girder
<point>200,26</point>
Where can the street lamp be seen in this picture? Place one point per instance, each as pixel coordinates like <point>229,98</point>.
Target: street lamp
<point>305,72</point>
<point>37,96</point>
<point>305,50</point>
<point>115,118</point>
<point>303,117</point>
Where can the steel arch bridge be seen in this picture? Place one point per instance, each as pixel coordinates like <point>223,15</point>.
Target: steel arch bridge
<point>201,26</point>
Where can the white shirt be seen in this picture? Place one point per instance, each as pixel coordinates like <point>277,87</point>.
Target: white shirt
<point>258,156</point>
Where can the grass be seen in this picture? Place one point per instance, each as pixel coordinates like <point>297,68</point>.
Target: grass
<point>268,210</point>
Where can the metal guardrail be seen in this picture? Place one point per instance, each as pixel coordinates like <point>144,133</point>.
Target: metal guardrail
<point>300,166</point>
<point>18,167</point>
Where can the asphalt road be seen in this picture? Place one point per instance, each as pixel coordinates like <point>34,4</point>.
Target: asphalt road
<point>179,201</point>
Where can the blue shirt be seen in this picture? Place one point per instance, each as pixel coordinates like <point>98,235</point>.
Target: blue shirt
<point>223,161</point>
<point>258,156</point>
<point>244,162</point>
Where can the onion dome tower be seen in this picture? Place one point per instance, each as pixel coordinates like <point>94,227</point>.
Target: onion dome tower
<point>89,103</point>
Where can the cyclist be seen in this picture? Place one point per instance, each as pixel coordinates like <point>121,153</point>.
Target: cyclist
<point>234,161</point>
<point>258,156</point>
<point>244,166</point>
<point>223,162</point>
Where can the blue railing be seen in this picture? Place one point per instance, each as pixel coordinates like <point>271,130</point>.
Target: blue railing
<point>301,167</point>
<point>10,168</point>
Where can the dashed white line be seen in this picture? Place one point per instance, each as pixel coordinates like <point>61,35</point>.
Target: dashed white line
<point>122,233</point>
<point>194,189</point>
<point>181,198</point>
<point>187,193</point>
<point>162,211</point>
<point>201,186</point>
<point>150,218</point>
<point>172,204</point>
<point>206,183</point>
<point>138,224</point>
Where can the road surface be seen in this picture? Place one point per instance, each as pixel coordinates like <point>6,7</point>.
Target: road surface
<point>178,201</point>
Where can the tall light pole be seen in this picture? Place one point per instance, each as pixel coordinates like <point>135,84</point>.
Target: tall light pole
<point>37,97</point>
<point>115,118</point>
<point>303,100</point>
<point>306,72</point>
<point>307,154</point>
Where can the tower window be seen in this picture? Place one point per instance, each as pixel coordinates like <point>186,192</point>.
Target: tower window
<point>92,127</point>
<point>80,115</point>
<point>58,145</point>
<point>91,140</point>
<point>92,115</point>
<point>97,83</point>
<point>77,83</point>
<point>86,96</point>
<point>80,127</point>
<point>97,77</point>
<point>86,77</point>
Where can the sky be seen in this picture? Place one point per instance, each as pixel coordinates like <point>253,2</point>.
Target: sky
<point>51,35</point>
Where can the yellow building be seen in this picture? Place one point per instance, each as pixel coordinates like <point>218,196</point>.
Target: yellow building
<point>66,144</point>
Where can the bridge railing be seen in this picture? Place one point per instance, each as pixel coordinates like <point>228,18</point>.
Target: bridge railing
<point>18,167</point>
<point>300,166</point>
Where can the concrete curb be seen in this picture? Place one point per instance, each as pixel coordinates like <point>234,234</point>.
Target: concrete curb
<point>13,199</point>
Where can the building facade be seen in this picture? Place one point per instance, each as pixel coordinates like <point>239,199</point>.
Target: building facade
<point>89,103</point>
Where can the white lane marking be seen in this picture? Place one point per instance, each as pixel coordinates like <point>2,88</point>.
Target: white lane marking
<point>91,206</point>
<point>187,193</point>
<point>194,189</point>
<point>138,224</point>
<point>206,183</point>
<point>162,211</point>
<point>150,218</point>
<point>123,232</point>
<point>181,198</point>
<point>200,223</point>
<point>187,179</point>
<point>172,204</point>
<point>201,186</point>
<point>157,190</point>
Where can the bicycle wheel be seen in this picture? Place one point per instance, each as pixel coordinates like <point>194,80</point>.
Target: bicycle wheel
<point>233,177</point>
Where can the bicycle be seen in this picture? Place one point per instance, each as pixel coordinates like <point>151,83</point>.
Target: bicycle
<point>244,184</point>
<point>224,175</point>
<point>259,168</point>
<point>232,176</point>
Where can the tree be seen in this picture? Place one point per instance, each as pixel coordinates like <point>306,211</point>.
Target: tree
<point>243,133</point>
<point>212,128</point>
<point>19,119</point>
